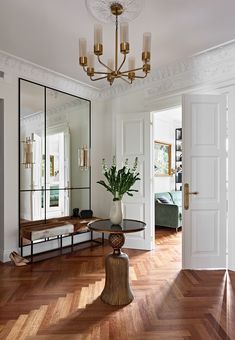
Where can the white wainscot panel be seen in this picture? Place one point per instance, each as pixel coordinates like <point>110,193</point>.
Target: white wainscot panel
<point>205,174</point>
<point>139,185</point>
<point>205,123</point>
<point>133,137</point>
<point>134,211</point>
<point>205,231</point>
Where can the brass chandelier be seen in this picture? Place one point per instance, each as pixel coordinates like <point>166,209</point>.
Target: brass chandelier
<point>113,69</point>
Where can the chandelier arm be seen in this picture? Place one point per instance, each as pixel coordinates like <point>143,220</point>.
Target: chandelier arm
<point>125,80</point>
<point>98,78</point>
<point>124,59</point>
<point>126,75</point>
<point>135,69</point>
<point>142,77</point>
<point>100,61</point>
<point>96,72</point>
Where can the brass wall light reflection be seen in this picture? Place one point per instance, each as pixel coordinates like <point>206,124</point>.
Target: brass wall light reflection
<point>28,151</point>
<point>83,158</point>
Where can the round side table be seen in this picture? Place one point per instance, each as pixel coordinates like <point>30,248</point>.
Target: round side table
<point>117,290</point>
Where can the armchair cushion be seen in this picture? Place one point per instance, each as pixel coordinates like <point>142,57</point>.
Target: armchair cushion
<point>163,200</point>
<point>162,195</point>
<point>168,214</point>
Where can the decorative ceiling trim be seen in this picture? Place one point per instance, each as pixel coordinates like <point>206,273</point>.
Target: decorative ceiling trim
<point>216,64</point>
<point>25,69</point>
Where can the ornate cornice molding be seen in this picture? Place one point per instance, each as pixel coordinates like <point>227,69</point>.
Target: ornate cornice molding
<point>216,64</point>
<point>25,69</point>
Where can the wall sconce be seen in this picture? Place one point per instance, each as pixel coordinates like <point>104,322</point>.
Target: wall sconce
<point>28,151</point>
<point>83,158</point>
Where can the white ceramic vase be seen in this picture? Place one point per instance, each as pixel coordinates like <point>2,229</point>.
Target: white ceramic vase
<point>116,212</point>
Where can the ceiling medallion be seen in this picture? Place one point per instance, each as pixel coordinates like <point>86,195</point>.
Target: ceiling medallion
<point>100,9</point>
<point>106,9</point>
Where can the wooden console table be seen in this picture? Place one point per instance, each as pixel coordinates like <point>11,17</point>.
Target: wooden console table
<point>57,227</point>
<point>117,290</point>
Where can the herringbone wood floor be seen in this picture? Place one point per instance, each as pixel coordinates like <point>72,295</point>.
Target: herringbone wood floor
<point>59,298</point>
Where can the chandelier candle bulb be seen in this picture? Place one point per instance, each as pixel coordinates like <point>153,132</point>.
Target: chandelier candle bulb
<point>124,32</point>
<point>90,60</point>
<point>98,34</point>
<point>124,38</point>
<point>90,64</point>
<point>82,47</point>
<point>131,63</point>
<point>98,39</point>
<point>146,42</point>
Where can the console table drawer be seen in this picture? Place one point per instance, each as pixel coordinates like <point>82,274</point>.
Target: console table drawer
<point>51,232</point>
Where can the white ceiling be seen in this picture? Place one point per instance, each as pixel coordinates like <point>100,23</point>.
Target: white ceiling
<point>174,114</point>
<point>46,32</point>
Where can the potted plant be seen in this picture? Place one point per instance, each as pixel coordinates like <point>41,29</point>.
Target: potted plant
<point>119,182</point>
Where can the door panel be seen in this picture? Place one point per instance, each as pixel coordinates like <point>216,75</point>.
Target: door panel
<point>204,164</point>
<point>134,140</point>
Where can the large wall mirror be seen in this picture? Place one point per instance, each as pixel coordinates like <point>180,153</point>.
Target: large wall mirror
<point>54,131</point>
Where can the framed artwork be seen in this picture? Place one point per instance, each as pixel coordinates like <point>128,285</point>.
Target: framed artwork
<point>162,159</point>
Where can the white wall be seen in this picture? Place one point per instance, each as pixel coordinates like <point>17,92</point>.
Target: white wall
<point>101,141</point>
<point>9,92</point>
<point>1,175</point>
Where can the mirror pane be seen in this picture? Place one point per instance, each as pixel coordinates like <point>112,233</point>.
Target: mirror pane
<point>57,202</point>
<point>54,149</point>
<point>60,203</point>
<point>32,206</point>
<point>31,135</point>
<point>80,198</point>
<point>67,130</point>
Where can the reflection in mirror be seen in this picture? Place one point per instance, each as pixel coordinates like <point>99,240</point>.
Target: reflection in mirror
<point>32,206</point>
<point>54,126</point>
<point>79,199</point>
<point>31,135</point>
<point>67,131</point>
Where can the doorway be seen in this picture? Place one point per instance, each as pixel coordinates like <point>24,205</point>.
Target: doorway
<point>168,171</point>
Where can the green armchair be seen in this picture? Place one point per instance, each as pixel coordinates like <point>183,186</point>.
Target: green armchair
<point>168,214</point>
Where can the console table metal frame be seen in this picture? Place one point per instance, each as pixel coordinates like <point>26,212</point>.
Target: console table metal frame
<point>59,238</point>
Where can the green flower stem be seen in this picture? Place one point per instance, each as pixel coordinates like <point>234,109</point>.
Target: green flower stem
<point>119,182</point>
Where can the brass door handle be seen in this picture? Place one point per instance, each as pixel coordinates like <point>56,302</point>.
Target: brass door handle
<point>186,195</point>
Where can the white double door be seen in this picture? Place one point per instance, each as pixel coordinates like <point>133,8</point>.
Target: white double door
<point>204,171</point>
<point>204,165</point>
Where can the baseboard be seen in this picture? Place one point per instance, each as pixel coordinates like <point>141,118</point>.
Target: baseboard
<point>4,255</point>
